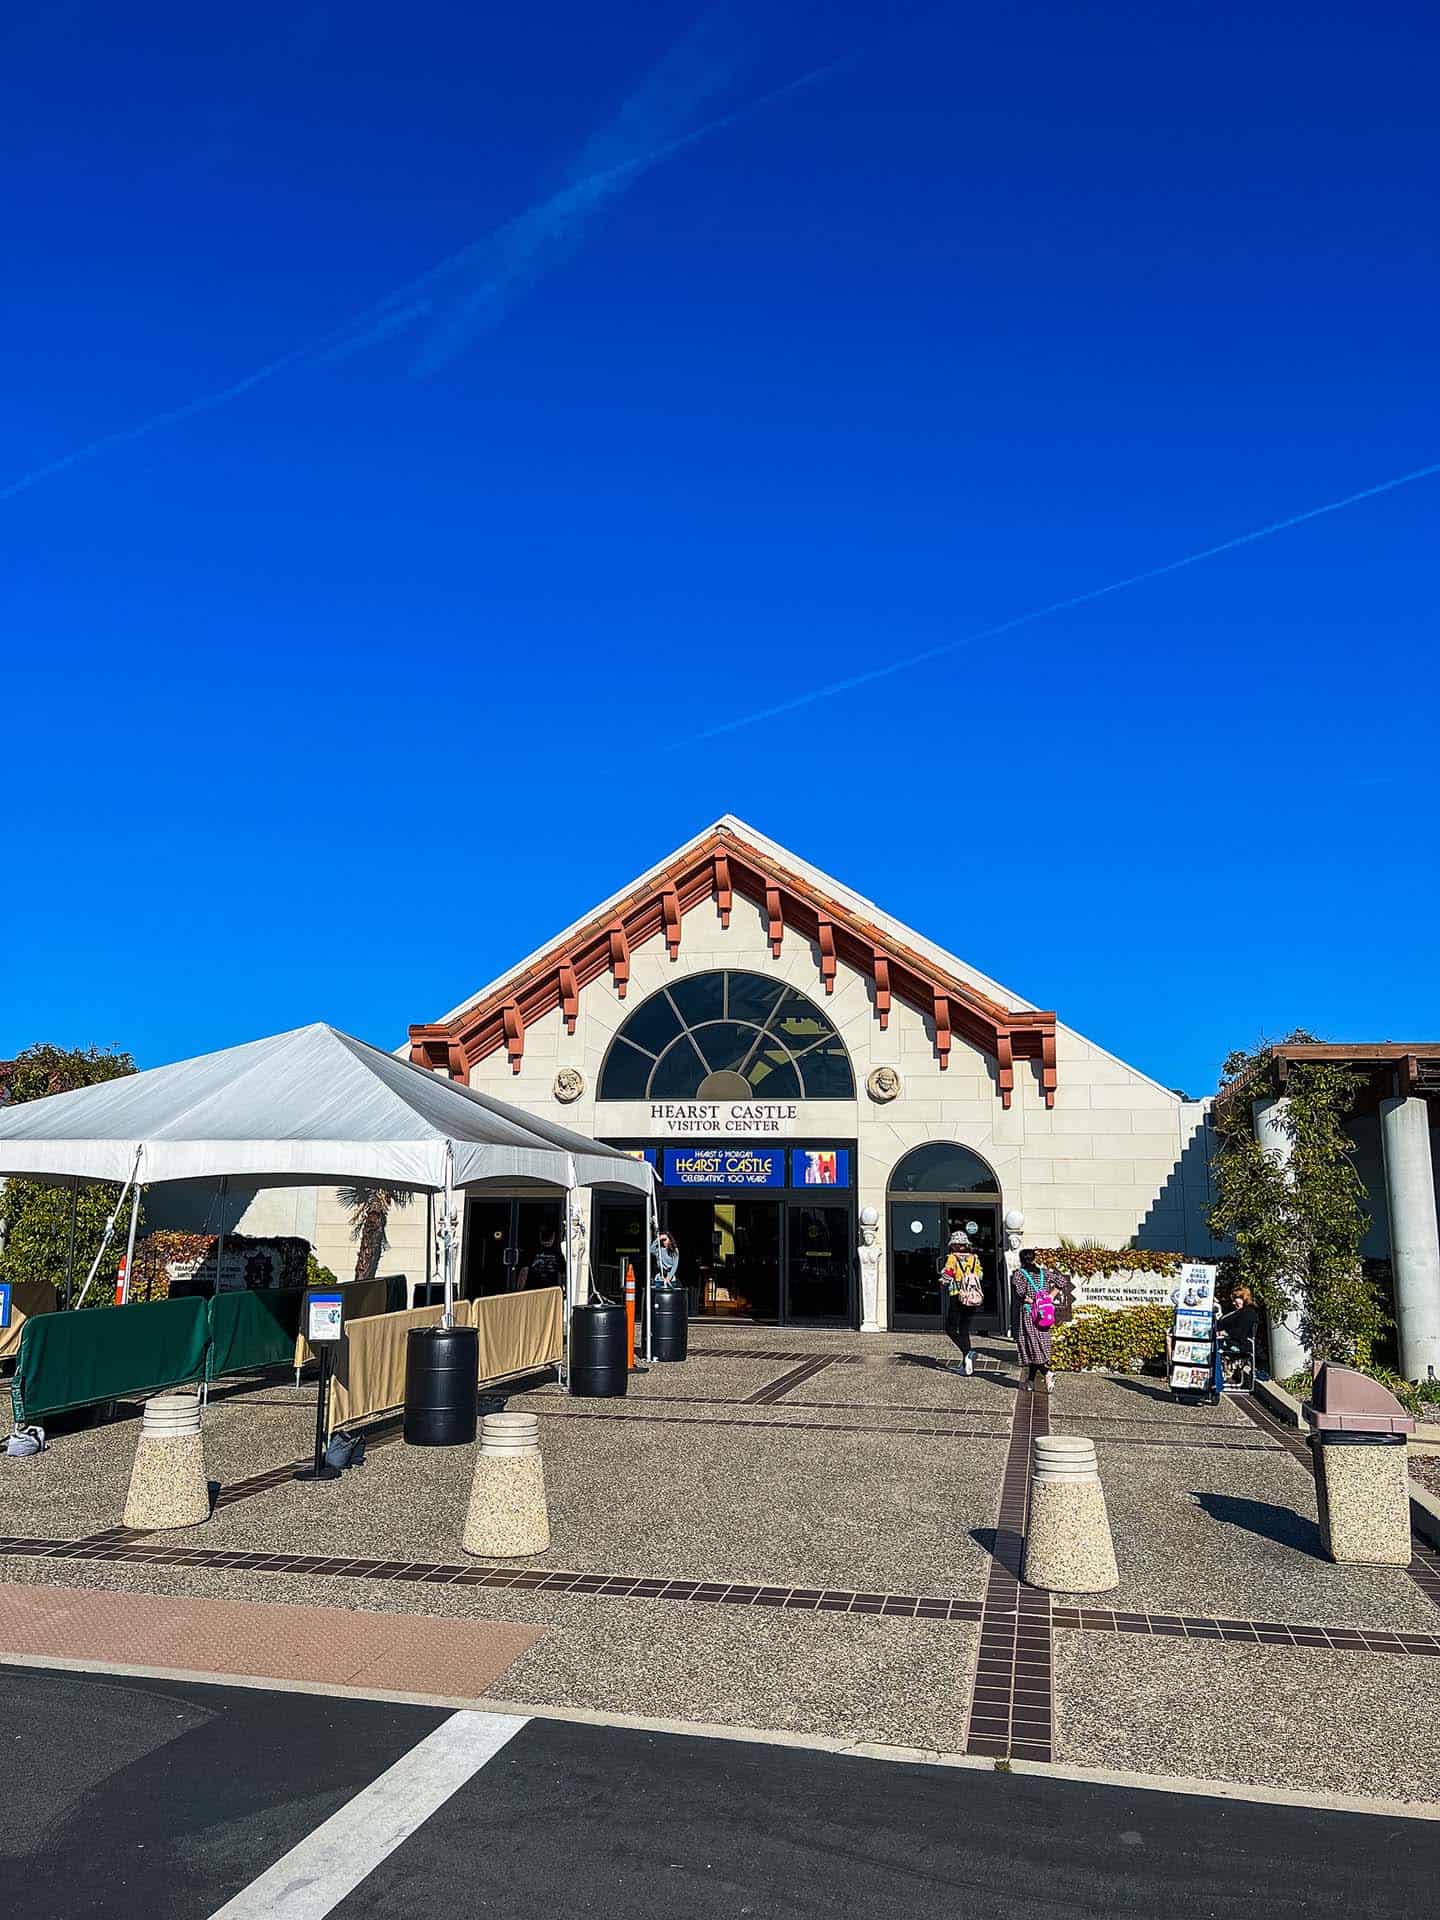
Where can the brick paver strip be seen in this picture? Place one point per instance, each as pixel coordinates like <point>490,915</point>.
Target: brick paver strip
<point>336,1646</point>
<point>1010,1704</point>
<point>777,1389</point>
<point>1018,1618</point>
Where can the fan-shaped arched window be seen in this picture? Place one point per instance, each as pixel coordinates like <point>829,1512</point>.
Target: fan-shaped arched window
<point>943,1167</point>
<point>727,1036</point>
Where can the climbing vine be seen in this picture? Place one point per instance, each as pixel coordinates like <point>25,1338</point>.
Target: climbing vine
<point>1296,1231</point>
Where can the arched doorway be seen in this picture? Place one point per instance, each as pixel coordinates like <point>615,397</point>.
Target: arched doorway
<point>933,1190</point>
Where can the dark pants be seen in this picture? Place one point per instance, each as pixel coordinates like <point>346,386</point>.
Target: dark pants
<point>957,1322</point>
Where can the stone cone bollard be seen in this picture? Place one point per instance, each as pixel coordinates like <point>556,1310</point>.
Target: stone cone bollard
<point>1068,1548</point>
<point>168,1487</point>
<point>508,1514</point>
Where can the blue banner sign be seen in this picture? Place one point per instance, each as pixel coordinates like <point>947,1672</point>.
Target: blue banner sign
<point>724,1166</point>
<point>820,1167</point>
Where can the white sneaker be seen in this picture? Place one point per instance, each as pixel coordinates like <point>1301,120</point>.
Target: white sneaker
<point>969,1363</point>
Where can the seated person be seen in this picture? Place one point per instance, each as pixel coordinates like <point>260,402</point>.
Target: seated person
<point>1238,1330</point>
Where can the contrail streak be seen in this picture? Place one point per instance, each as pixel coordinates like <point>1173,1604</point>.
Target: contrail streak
<point>536,240</point>
<point>849,684</point>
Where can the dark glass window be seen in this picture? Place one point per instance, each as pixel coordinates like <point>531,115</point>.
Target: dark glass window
<point>750,996</point>
<point>774,1076</point>
<point>677,1074</point>
<point>627,1072</point>
<point>726,1043</point>
<point>733,1029</point>
<point>943,1167</point>
<point>701,997</point>
<point>654,1024</point>
<point>827,1072</point>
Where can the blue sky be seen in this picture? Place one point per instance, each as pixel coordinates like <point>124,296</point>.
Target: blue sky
<point>336,695</point>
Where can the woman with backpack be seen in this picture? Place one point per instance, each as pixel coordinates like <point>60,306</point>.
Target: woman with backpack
<point>963,1279</point>
<point>1034,1319</point>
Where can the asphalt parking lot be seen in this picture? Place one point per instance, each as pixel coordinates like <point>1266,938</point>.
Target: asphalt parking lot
<point>181,1801</point>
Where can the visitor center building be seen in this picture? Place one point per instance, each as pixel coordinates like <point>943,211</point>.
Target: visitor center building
<point>824,1093</point>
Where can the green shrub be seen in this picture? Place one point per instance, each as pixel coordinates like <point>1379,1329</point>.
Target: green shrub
<point>1106,1337</point>
<point>1420,1397</point>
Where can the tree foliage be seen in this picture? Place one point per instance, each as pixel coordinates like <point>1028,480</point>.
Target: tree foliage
<point>1297,1230</point>
<point>34,1219</point>
<point>369,1209</point>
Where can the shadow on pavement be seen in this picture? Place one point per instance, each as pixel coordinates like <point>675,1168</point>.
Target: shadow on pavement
<point>1268,1522</point>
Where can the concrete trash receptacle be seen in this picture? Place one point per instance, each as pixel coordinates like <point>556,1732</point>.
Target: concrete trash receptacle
<point>168,1486</point>
<point>508,1515</point>
<point>1068,1548</point>
<point>1362,1468</point>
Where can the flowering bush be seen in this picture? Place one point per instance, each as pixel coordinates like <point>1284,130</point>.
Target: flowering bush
<point>1089,1263</point>
<point>1112,1338</point>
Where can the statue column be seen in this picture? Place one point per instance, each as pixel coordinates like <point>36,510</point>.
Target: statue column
<point>1287,1354</point>
<point>871,1256</point>
<point>1414,1239</point>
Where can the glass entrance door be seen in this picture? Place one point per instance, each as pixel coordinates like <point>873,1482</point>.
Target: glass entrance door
<point>817,1273</point>
<point>919,1236</point>
<point>729,1256</point>
<point>510,1244</point>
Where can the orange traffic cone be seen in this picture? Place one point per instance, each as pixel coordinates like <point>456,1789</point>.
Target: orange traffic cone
<point>630,1314</point>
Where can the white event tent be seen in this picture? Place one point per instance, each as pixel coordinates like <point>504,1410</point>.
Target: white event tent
<point>312,1107</point>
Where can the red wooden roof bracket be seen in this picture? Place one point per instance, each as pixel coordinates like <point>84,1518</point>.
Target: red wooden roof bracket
<point>725,865</point>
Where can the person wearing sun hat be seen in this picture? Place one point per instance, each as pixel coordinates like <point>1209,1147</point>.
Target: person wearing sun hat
<point>963,1280</point>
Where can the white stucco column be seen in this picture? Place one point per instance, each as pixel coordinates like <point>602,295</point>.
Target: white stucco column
<point>1287,1354</point>
<point>1414,1238</point>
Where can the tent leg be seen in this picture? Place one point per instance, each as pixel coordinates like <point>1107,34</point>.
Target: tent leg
<point>130,1245</point>
<point>447,1239</point>
<point>70,1244</point>
<point>572,1195</point>
<point>652,1226</point>
<point>220,1238</point>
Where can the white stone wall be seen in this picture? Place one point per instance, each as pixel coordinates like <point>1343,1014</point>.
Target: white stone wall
<point>1105,1162</point>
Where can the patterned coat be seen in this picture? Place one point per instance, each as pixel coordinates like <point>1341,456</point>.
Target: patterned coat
<point>1033,1342</point>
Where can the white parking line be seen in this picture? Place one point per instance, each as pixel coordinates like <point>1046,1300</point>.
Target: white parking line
<point>316,1875</point>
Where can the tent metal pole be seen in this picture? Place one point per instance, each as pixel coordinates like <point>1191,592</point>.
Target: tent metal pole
<point>652,1227</point>
<point>447,1237</point>
<point>70,1244</point>
<point>572,1201</point>
<point>130,1244</point>
<point>220,1241</point>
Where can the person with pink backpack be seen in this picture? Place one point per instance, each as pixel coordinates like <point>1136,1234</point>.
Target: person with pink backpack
<point>1034,1319</point>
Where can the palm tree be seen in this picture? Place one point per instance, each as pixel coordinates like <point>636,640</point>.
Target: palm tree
<point>369,1211</point>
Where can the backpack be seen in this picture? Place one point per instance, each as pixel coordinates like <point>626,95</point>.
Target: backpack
<point>966,1280</point>
<point>1042,1307</point>
<point>345,1450</point>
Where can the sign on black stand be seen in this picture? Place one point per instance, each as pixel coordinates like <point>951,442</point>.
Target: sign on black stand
<point>1192,1346</point>
<point>323,1324</point>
